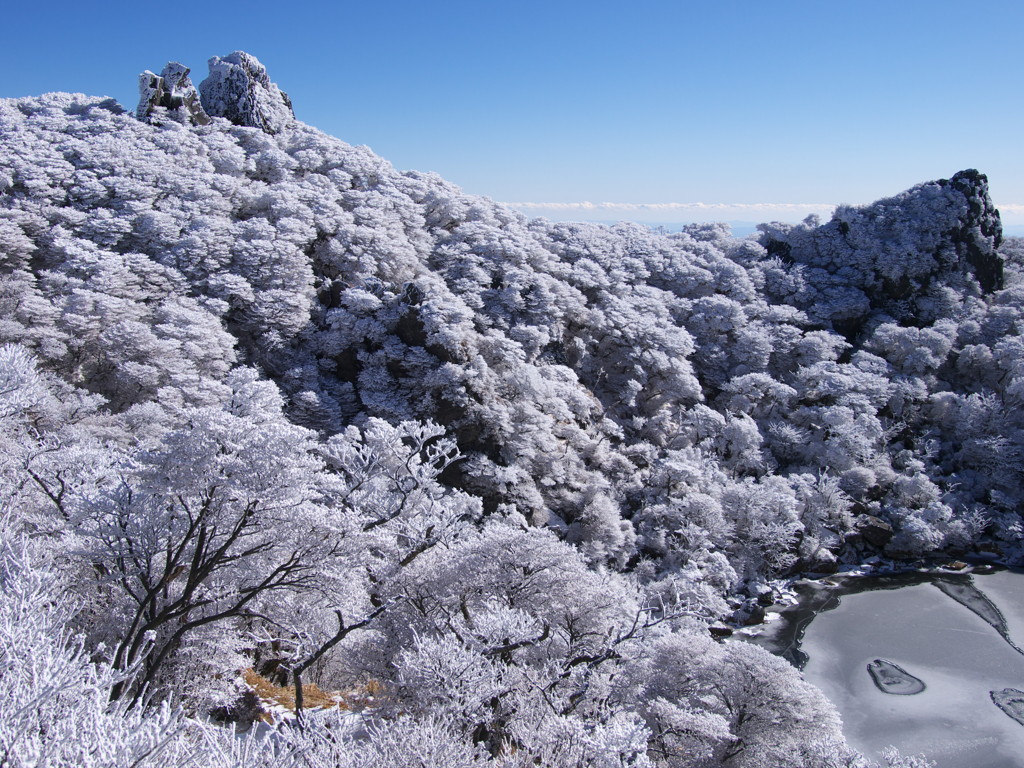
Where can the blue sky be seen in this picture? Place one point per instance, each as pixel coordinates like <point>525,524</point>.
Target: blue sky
<point>728,101</point>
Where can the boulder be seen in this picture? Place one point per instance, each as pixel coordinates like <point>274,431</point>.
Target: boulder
<point>172,90</point>
<point>720,631</point>
<point>750,614</point>
<point>875,530</point>
<point>239,89</point>
<point>822,561</point>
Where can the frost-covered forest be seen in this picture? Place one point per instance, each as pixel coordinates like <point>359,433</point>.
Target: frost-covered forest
<point>292,437</point>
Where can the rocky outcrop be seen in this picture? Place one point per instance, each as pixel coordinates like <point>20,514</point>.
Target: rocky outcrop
<point>981,232</point>
<point>875,530</point>
<point>897,255</point>
<point>173,91</point>
<point>239,89</point>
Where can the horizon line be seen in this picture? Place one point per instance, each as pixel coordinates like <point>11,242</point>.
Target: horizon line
<point>588,205</point>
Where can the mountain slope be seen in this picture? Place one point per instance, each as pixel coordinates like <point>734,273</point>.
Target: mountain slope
<point>405,403</point>
<point>152,257</point>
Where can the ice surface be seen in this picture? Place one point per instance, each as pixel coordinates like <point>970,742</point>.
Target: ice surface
<point>1006,590</point>
<point>1011,701</point>
<point>968,595</point>
<point>962,658</point>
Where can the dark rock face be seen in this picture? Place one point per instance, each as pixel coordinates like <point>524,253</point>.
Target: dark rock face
<point>982,232</point>
<point>239,89</point>
<point>875,530</point>
<point>172,89</point>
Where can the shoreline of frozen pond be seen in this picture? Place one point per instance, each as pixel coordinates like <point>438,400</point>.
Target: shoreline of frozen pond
<point>926,662</point>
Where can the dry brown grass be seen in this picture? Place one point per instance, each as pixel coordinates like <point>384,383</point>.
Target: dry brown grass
<point>313,697</point>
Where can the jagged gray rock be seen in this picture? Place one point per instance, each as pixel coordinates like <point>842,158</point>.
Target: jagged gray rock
<point>239,89</point>
<point>172,89</point>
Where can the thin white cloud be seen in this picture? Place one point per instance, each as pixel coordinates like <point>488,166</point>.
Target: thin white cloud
<point>677,212</point>
<point>588,206</point>
<point>1012,213</point>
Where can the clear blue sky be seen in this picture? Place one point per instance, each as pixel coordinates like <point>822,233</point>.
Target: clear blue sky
<point>723,101</point>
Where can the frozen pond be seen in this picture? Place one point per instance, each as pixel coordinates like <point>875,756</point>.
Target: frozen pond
<point>928,664</point>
